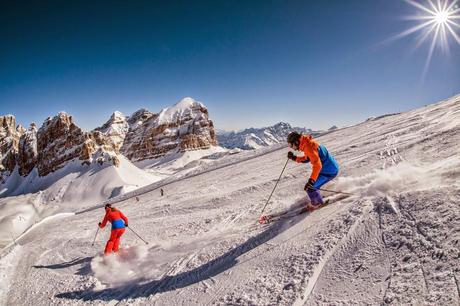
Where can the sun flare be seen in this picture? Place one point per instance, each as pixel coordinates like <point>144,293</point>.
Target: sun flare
<point>436,19</point>
<point>442,17</point>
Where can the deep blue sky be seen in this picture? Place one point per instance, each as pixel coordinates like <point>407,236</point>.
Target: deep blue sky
<point>252,63</point>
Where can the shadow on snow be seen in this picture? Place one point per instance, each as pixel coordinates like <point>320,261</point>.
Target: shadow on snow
<point>85,270</point>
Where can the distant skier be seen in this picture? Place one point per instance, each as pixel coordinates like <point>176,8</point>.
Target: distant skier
<point>325,167</point>
<point>119,222</point>
<point>161,191</point>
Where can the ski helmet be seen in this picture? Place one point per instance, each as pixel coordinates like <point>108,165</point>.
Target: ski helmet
<point>108,205</point>
<point>293,138</point>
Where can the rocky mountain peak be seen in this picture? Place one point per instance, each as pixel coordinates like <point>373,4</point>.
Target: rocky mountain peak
<point>28,153</point>
<point>9,142</point>
<point>8,123</point>
<point>115,129</point>
<point>139,117</point>
<point>60,140</point>
<point>181,127</point>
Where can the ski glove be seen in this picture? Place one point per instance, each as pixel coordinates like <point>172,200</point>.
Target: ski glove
<point>310,185</point>
<point>100,224</point>
<point>291,156</point>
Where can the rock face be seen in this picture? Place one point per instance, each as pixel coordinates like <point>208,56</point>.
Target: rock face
<point>252,138</point>
<point>182,127</point>
<point>51,147</point>
<point>143,135</point>
<point>115,129</point>
<point>9,142</point>
<point>59,140</point>
<point>28,154</point>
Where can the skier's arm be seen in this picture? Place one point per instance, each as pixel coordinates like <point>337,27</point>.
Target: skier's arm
<point>104,222</point>
<point>124,218</point>
<point>302,159</point>
<point>315,163</point>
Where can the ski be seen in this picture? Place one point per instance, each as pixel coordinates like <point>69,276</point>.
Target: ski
<point>282,213</point>
<point>291,213</point>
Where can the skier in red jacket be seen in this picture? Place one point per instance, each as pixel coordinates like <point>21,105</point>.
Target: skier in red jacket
<point>119,222</point>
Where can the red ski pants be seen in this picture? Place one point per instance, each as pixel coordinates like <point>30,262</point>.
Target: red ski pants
<point>114,241</point>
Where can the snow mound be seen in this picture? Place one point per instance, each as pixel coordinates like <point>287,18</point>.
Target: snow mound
<point>79,184</point>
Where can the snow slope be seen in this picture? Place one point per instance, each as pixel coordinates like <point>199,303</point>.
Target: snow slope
<point>68,189</point>
<point>394,242</point>
<point>182,162</point>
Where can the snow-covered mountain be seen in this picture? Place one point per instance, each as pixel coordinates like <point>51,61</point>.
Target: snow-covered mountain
<point>184,126</point>
<point>56,143</point>
<point>115,129</point>
<point>254,138</point>
<point>393,240</point>
<point>145,135</point>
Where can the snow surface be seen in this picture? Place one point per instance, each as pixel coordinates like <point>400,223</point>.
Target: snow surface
<point>395,241</point>
<point>68,189</point>
<point>182,162</point>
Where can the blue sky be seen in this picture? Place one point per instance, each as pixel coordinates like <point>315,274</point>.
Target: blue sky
<point>252,63</point>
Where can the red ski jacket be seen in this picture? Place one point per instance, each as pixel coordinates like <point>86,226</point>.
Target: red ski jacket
<point>115,217</point>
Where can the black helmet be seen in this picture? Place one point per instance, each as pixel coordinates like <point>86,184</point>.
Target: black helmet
<point>108,205</point>
<point>293,138</point>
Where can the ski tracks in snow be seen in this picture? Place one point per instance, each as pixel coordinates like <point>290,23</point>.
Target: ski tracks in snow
<point>319,268</point>
<point>423,247</point>
<point>291,276</point>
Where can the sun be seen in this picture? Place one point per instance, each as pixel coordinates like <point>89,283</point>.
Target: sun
<point>436,19</point>
<point>442,17</point>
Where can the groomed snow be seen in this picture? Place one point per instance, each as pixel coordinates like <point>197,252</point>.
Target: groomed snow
<point>395,241</point>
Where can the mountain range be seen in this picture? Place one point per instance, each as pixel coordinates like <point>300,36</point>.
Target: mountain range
<point>143,135</point>
<point>255,138</point>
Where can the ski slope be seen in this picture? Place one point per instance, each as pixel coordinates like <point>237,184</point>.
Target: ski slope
<point>396,241</point>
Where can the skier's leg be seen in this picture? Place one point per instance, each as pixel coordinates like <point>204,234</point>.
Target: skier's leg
<point>109,245</point>
<point>116,243</point>
<point>315,197</point>
<point>323,179</point>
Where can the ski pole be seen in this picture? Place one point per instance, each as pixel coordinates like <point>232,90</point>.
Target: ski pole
<point>95,235</point>
<point>334,191</point>
<point>275,186</point>
<point>138,235</point>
